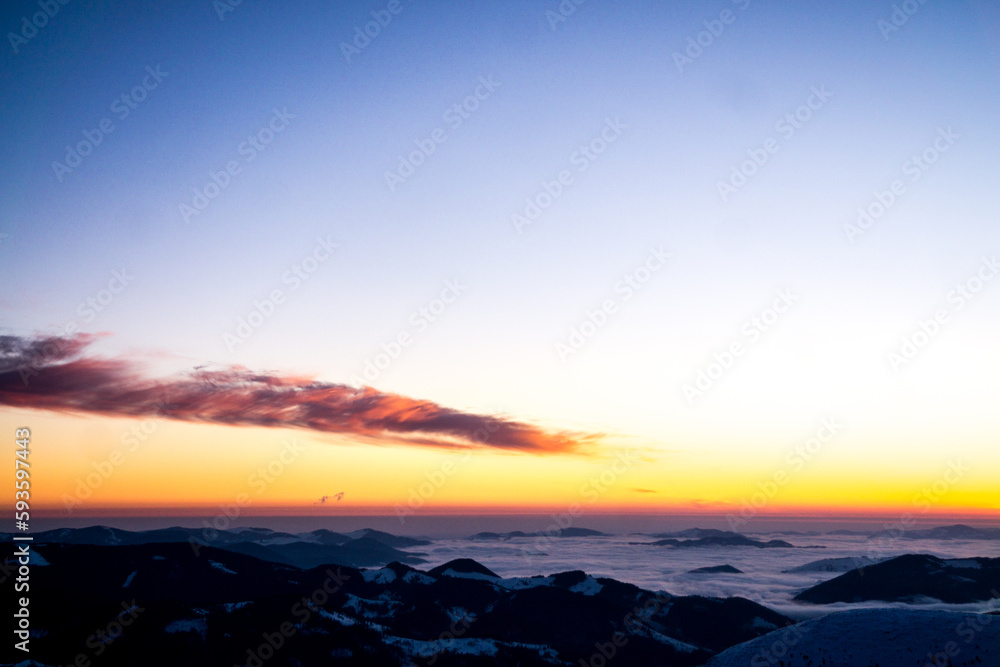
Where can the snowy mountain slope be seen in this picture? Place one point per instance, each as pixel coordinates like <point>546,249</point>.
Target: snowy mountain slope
<point>874,638</point>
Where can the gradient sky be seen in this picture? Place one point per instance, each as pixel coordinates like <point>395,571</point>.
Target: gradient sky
<point>494,350</point>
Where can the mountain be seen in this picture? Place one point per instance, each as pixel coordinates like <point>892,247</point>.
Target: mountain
<point>323,536</point>
<point>956,532</point>
<point>397,541</point>
<point>870,637</point>
<point>368,548</point>
<point>835,564</point>
<point>716,569</point>
<point>224,608</point>
<point>732,540</point>
<point>698,533</point>
<point>561,532</point>
<point>579,532</point>
<point>911,577</point>
<point>463,567</point>
<point>362,552</point>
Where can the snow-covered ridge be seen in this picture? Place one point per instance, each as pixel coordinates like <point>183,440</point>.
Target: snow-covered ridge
<point>874,638</point>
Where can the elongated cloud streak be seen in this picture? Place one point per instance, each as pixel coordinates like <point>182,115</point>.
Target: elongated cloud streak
<point>56,374</point>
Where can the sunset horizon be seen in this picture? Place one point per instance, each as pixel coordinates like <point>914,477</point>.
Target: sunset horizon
<point>385,333</point>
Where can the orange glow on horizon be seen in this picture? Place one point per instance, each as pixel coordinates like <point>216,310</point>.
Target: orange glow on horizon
<point>128,467</point>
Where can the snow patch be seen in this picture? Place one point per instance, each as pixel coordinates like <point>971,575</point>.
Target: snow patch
<point>414,577</point>
<point>427,649</point>
<point>456,614</point>
<point>588,586</point>
<point>337,617</point>
<point>383,576</point>
<point>419,650</point>
<point>760,624</point>
<point>521,583</point>
<point>836,564</point>
<point>469,575</point>
<point>220,567</point>
<point>965,564</point>
<point>197,625</point>
<point>873,637</point>
<point>383,606</point>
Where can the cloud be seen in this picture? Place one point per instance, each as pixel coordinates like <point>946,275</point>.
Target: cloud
<point>644,490</point>
<point>322,501</point>
<point>56,374</point>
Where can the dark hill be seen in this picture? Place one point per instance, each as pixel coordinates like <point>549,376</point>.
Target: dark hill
<point>218,607</point>
<point>464,566</point>
<point>905,578</point>
<point>716,569</point>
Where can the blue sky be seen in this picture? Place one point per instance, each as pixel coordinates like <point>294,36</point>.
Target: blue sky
<point>656,185</point>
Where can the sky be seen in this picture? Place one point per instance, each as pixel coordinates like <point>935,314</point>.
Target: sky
<point>720,257</point>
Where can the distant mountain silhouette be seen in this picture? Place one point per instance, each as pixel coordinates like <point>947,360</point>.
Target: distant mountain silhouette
<point>873,637</point>
<point>716,569</point>
<point>397,541</point>
<point>848,532</point>
<point>462,566</point>
<point>907,578</point>
<point>561,532</point>
<point>370,547</point>
<point>955,532</point>
<point>730,540</point>
<point>698,533</point>
<point>835,564</point>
